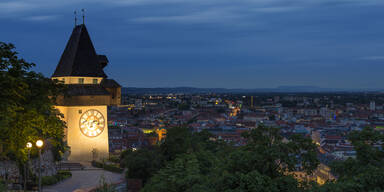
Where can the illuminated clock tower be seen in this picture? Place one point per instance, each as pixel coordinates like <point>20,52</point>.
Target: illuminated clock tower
<point>89,92</point>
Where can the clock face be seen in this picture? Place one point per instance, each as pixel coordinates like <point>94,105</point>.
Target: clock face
<point>92,123</point>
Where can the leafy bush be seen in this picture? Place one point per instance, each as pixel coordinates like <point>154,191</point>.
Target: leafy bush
<point>3,187</point>
<point>61,175</point>
<point>111,167</point>
<point>115,159</point>
<point>50,180</point>
<point>97,164</point>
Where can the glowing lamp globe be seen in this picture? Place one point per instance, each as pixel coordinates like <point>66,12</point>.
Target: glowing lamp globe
<point>39,143</point>
<point>29,145</point>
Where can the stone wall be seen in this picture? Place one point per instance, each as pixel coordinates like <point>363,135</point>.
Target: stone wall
<point>10,171</point>
<point>48,166</point>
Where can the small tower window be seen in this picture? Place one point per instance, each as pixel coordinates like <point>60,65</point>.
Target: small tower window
<point>81,80</point>
<point>94,81</point>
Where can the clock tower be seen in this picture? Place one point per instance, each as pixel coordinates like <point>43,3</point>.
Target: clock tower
<point>88,94</point>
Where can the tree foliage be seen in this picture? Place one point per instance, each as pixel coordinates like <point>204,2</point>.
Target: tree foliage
<point>184,106</point>
<point>188,161</point>
<point>276,157</point>
<point>26,106</point>
<point>199,162</point>
<point>142,164</point>
<point>366,171</point>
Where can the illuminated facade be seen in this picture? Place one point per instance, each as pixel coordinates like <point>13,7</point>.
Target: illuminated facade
<point>89,92</point>
<point>320,175</point>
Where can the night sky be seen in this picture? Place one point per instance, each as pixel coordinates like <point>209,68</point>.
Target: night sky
<point>211,43</point>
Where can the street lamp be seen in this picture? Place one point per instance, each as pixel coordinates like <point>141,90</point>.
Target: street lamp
<point>29,146</point>
<point>39,144</point>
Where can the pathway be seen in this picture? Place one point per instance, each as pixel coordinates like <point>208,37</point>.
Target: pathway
<point>83,180</point>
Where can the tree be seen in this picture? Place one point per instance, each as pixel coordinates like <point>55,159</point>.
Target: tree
<point>366,171</point>
<point>278,157</point>
<point>265,163</point>
<point>27,110</point>
<point>201,164</point>
<point>146,162</point>
<point>184,106</point>
<point>182,174</point>
<point>143,163</point>
<point>176,142</point>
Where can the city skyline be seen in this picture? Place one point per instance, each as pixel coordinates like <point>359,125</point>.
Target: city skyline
<point>246,44</point>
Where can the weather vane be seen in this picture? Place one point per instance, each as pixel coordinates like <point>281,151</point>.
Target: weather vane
<point>82,10</point>
<point>75,18</point>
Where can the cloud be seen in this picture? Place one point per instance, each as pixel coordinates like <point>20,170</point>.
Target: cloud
<point>15,6</point>
<point>213,15</point>
<point>9,6</point>
<point>12,8</point>
<point>222,11</point>
<point>146,2</point>
<point>183,11</point>
<point>208,16</point>
<point>373,58</point>
<point>277,9</point>
<point>41,18</point>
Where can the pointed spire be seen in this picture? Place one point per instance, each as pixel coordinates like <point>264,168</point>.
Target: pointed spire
<point>79,57</point>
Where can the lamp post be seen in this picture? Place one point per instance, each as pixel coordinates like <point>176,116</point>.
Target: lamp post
<point>29,146</point>
<point>39,144</point>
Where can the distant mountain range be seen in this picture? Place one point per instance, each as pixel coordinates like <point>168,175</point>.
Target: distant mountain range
<point>280,89</point>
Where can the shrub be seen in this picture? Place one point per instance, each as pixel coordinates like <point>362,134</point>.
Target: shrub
<point>97,164</point>
<point>3,187</point>
<point>111,167</point>
<point>50,180</point>
<point>115,159</point>
<point>61,175</point>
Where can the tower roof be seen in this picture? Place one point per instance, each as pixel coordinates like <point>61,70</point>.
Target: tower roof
<point>79,57</point>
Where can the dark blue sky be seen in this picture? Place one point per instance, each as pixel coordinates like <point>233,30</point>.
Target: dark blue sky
<point>211,43</point>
